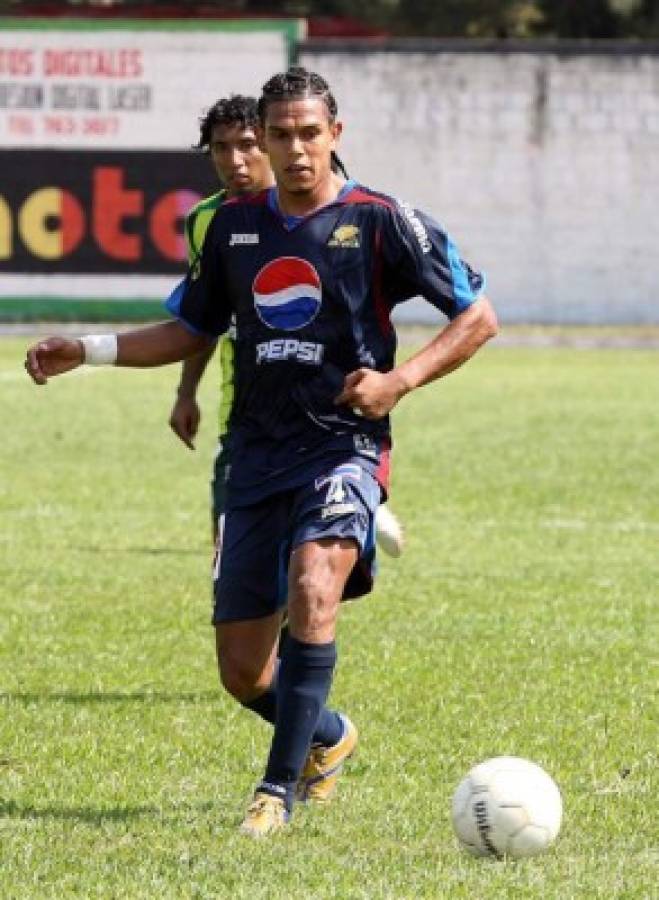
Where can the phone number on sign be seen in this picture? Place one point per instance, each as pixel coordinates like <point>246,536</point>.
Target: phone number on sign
<point>64,125</point>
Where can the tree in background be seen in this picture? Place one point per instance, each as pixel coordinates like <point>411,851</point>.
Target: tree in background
<point>582,19</point>
<point>491,18</point>
<point>425,18</point>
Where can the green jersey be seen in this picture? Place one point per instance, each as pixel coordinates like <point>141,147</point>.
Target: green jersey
<point>196,226</point>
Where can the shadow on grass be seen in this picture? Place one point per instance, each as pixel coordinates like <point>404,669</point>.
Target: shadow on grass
<point>12,810</point>
<point>29,697</point>
<point>141,551</point>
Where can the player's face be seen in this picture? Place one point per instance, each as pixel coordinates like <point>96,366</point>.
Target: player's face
<point>299,138</point>
<point>238,160</point>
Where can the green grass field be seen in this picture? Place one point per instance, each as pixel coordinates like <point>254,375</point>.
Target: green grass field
<point>522,620</point>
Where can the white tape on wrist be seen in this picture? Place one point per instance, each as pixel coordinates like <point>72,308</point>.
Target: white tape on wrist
<point>99,349</point>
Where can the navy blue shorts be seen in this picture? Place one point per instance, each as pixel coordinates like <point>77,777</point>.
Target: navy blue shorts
<point>251,577</point>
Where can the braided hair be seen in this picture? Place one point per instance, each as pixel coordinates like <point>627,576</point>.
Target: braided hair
<point>233,110</point>
<point>297,83</point>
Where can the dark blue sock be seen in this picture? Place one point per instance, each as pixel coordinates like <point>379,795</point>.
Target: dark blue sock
<point>328,730</point>
<point>305,678</point>
<point>265,705</point>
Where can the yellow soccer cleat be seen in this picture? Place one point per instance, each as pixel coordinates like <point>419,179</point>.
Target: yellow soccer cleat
<point>324,765</point>
<point>265,815</point>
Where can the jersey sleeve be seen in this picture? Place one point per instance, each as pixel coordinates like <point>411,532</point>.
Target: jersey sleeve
<point>198,300</point>
<point>190,249</point>
<point>197,222</point>
<point>423,260</point>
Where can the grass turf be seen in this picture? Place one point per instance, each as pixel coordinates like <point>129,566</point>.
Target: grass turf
<point>521,620</point>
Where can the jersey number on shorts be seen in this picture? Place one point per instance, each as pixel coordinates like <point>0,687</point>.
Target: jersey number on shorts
<point>335,492</point>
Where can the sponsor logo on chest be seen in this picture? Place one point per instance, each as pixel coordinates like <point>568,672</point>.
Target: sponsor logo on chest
<point>281,349</point>
<point>287,293</point>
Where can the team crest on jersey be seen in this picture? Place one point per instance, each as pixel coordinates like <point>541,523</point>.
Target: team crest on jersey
<point>365,445</point>
<point>345,236</point>
<point>287,293</point>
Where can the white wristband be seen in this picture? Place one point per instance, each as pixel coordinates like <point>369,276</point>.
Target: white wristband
<point>99,349</point>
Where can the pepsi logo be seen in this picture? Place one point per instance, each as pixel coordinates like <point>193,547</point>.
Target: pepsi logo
<point>287,293</point>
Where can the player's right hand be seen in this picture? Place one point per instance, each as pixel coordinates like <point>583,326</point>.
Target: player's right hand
<point>184,419</point>
<point>53,356</point>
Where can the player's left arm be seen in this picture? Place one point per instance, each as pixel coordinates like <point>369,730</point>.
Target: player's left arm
<point>422,259</point>
<point>375,394</point>
<point>452,347</point>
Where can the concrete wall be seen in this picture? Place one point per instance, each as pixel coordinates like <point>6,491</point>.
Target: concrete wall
<point>543,166</point>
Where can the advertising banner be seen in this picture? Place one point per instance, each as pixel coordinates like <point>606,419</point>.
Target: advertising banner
<point>97,120</point>
<point>114,212</point>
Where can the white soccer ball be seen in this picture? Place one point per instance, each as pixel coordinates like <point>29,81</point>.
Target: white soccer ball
<point>507,806</point>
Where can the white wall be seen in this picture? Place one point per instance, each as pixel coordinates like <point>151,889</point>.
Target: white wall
<point>544,167</point>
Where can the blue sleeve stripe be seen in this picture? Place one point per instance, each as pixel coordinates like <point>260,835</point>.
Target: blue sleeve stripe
<point>461,287</point>
<point>465,293</point>
<point>173,302</point>
<point>173,306</point>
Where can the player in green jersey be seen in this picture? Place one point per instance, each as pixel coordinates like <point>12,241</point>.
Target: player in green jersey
<point>228,136</point>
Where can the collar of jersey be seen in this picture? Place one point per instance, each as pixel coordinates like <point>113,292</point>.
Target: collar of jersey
<point>291,222</point>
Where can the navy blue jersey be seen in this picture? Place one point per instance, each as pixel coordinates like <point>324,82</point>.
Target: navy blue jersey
<point>312,300</point>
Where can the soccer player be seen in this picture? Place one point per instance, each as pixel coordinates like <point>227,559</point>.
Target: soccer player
<point>228,135</point>
<point>311,269</point>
